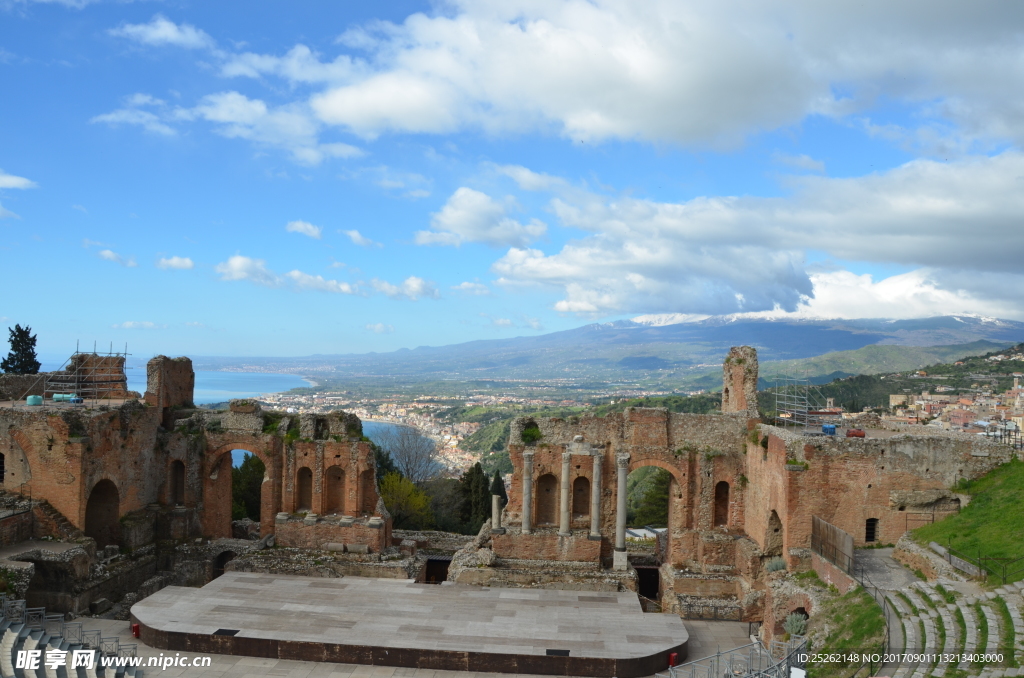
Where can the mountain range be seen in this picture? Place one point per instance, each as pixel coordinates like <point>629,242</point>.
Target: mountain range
<point>657,348</point>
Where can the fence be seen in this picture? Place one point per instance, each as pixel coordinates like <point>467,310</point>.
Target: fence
<point>753,661</point>
<point>832,544</point>
<point>1006,570</point>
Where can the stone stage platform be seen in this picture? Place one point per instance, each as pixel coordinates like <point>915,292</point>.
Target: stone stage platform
<point>395,622</point>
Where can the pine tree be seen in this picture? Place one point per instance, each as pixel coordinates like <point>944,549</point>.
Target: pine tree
<point>22,358</point>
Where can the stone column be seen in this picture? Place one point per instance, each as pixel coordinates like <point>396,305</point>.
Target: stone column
<point>620,560</point>
<point>595,496</point>
<point>563,525</point>
<point>496,514</point>
<point>527,491</point>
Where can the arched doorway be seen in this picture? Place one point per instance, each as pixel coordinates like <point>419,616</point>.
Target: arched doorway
<point>368,492</point>
<point>177,483</point>
<point>773,536</point>
<point>721,504</point>
<point>581,498</point>
<point>547,499</point>
<point>334,490</point>
<point>304,490</point>
<point>102,513</point>
<point>221,561</point>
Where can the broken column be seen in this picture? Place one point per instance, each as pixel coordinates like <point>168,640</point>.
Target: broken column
<point>595,496</point>
<point>527,491</point>
<point>497,489</point>
<point>563,523</point>
<point>620,560</point>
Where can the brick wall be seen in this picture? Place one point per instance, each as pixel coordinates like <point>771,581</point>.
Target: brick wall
<point>830,574</point>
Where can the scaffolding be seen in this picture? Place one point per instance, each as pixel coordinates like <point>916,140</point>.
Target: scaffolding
<point>800,403</point>
<point>85,376</point>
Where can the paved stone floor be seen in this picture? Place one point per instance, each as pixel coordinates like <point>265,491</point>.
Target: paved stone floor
<point>706,635</point>
<point>398,613</point>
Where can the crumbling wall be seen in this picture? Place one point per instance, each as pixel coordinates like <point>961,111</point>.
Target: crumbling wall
<point>19,386</point>
<point>170,382</point>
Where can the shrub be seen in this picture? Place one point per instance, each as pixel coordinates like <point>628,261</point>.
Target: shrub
<point>776,564</point>
<point>531,434</point>
<point>795,624</point>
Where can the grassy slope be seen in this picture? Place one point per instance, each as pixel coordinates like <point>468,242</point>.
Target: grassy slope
<point>993,522</point>
<point>856,625</point>
<point>876,359</point>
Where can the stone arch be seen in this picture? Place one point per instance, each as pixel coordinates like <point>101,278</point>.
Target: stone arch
<point>547,499</point>
<point>721,504</point>
<point>177,478</point>
<point>102,514</point>
<point>773,536</point>
<point>216,480</point>
<point>334,490</point>
<point>304,489</point>
<point>581,497</point>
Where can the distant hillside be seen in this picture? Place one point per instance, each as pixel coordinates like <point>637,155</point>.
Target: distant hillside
<point>682,356</point>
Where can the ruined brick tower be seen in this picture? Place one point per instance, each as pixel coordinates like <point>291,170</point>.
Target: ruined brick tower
<point>739,380</point>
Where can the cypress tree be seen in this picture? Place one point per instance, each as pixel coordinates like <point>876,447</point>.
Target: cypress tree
<point>498,488</point>
<point>22,358</point>
<point>476,498</point>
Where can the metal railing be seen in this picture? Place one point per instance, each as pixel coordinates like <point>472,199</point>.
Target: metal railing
<point>753,660</point>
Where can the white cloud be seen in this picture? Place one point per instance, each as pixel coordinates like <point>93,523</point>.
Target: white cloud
<point>380,328</point>
<point>138,325</point>
<point>472,288</point>
<point>80,209</point>
<point>7,214</point>
<point>255,271</point>
<point>110,255</point>
<point>305,281</point>
<point>359,239</point>
<point>133,114</point>
<point>472,216</point>
<point>11,181</point>
<point>412,288</point>
<point>177,263</point>
<point>162,31</point>
<point>290,126</point>
<point>612,69</point>
<point>802,162</point>
<point>719,255</point>
<point>305,228</point>
<point>502,322</point>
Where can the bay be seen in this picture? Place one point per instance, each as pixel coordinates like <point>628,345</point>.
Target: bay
<point>217,387</point>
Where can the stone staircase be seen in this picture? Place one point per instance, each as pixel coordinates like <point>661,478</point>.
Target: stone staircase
<point>970,624</point>
<point>55,521</point>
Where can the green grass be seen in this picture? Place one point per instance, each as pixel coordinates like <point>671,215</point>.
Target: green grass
<point>856,624</point>
<point>982,632</point>
<point>910,603</point>
<point>991,523</point>
<point>940,632</point>
<point>947,595</point>
<point>1006,640</point>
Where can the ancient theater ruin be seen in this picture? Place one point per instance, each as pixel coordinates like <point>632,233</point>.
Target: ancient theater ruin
<point>134,493</point>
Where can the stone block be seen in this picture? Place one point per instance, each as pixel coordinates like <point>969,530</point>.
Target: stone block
<point>357,548</point>
<point>334,547</point>
<point>99,606</point>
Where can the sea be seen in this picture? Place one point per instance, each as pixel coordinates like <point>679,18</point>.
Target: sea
<point>218,387</point>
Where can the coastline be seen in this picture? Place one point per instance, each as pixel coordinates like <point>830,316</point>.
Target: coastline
<point>312,384</point>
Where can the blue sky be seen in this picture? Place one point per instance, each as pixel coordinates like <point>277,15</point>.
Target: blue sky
<point>270,178</point>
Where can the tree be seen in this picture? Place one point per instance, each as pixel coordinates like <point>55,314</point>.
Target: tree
<point>445,503</point>
<point>653,505</point>
<point>385,464</point>
<point>498,488</point>
<point>246,483</point>
<point>476,498</point>
<point>408,505</point>
<point>22,358</point>
<point>414,455</point>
